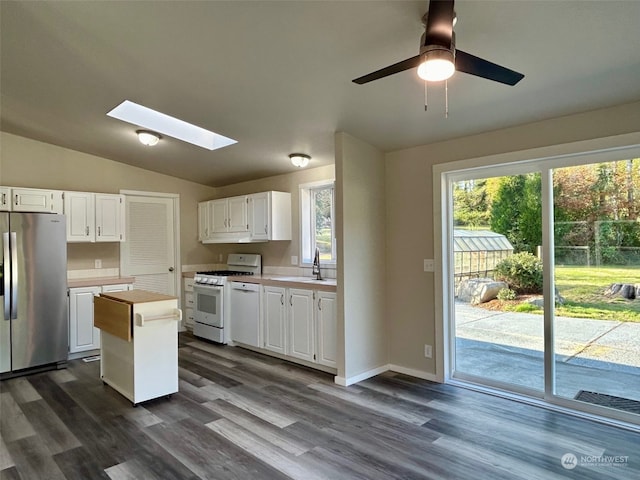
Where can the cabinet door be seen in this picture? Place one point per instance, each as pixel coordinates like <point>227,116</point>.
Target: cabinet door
<point>35,200</point>
<point>259,216</point>
<point>109,218</point>
<point>275,334</point>
<point>5,199</point>
<point>203,221</point>
<point>218,216</point>
<point>238,214</point>
<point>301,334</point>
<point>83,335</point>
<point>80,213</point>
<point>326,325</point>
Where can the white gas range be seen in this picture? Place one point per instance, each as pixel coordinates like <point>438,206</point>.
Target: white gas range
<point>212,296</point>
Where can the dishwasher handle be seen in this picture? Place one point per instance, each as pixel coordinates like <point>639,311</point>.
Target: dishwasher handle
<point>245,287</point>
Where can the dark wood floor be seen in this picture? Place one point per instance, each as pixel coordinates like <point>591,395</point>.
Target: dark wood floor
<point>241,415</point>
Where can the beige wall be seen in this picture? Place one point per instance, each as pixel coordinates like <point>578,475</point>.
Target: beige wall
<point>360,225</point>
<point>273,253</point>
<point>28,163</point>
<point>410,238</point>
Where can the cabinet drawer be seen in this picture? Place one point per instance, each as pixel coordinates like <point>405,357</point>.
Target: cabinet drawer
<point>189,300</point>
<point>188,284</point>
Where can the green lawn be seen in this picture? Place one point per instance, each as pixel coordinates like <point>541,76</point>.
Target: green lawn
<point>583,289</point>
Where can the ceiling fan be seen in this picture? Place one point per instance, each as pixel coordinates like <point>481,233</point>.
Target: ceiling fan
<point>439,58</point>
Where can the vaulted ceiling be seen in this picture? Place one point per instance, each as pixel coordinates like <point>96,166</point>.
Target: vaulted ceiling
<point>276,76</point>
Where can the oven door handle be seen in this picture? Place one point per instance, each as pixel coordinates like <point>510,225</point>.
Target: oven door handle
<point>207,288</point>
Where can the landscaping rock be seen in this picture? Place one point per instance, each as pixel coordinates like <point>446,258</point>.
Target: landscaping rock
<point>624,290</point>
<point>479,290</point>
<point>539,301</point>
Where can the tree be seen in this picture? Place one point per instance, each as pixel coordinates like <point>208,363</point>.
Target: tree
<point>516,210</point>
<point>470,204</point>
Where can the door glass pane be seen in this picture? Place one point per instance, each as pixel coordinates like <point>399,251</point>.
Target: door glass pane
<point>597,275</point>
<point>498,321</point>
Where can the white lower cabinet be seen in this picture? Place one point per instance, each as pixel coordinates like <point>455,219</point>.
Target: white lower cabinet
<point>187,305</point>
<point>275,326</point>
<point>326,328</point>
<point>83,336</point>
<point>300,323</point>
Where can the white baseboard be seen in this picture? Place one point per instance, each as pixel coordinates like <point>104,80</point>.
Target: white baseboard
<point>413,373</point>
<point>345,382</point>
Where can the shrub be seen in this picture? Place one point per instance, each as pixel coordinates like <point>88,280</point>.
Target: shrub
<point>522,272</point>
<point>506,294</point>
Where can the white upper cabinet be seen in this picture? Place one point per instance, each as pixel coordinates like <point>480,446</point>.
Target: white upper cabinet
<point>270,216</point>
<point>94,217</point>
<point>5,199</point>
<point>203,221</point>
<point>258,217</point>
<point>33,200</point>
<point>109,217</point>
<point>218,215</point>
<point>228,215</point>
<point>238,214</point>
<point>79,210</point>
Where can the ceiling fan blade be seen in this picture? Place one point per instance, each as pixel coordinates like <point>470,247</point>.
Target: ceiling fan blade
<point>467,63</point>
<point>439,27</point>
<point>390,70</point>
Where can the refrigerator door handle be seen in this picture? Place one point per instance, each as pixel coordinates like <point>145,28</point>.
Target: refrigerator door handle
<point>14,276</point>
<point>6,275</point>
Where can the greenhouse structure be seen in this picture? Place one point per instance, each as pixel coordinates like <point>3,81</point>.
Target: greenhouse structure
<point>476,253</point>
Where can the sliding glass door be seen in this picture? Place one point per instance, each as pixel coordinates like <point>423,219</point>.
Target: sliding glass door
<point>542,273</point>
<point>596,321</point>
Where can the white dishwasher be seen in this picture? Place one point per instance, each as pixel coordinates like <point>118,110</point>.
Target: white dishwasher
<point>245,313</point>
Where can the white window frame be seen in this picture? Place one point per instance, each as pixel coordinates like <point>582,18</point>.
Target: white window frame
<point>307,222</point>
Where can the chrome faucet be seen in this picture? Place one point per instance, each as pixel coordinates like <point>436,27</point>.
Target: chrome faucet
<point>316,265</point>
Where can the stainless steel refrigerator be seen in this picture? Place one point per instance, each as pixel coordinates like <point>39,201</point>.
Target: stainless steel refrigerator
<point>33,288</point>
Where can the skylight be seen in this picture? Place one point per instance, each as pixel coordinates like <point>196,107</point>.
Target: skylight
<point>148,118</point>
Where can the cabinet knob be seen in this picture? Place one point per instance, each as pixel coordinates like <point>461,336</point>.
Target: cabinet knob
<point>171,269</point>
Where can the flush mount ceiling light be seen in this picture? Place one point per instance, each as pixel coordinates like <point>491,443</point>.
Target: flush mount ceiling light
<point>145,117</point>
<point>300,159</point>
<point>148,138</point>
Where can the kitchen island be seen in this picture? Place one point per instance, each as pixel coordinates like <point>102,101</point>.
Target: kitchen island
<point>139,343</point>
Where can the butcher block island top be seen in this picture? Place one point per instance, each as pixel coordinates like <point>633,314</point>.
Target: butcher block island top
<point>113,310</point>
<point>137,296</point>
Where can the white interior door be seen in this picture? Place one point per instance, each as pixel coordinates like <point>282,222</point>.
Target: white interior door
<point>149,253</point>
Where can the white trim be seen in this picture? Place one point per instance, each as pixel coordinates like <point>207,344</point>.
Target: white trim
<point>414,373</point>
<point>512,163</point>
<point>345,382</point>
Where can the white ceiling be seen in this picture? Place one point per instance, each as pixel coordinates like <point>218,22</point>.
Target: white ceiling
<point>276,76</point>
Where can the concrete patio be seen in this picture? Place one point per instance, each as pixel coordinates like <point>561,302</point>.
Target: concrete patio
<point>596,355</point>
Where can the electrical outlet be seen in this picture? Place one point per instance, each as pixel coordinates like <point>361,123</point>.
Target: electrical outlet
<point>97,263</point>
<point>294,260</point>
<point>428,351</point>
<point>428,265</point>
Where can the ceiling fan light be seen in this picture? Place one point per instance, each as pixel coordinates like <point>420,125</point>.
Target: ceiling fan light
<point>148,138</point>
<point>437,66</point>
<point>299,160</point>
